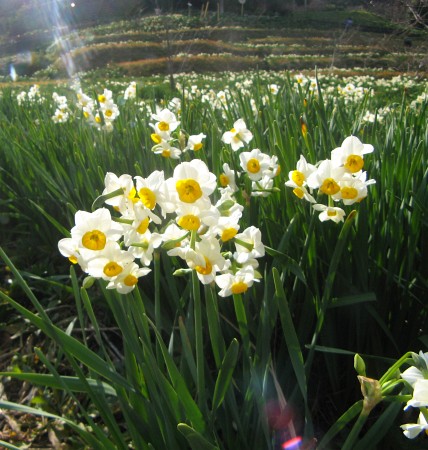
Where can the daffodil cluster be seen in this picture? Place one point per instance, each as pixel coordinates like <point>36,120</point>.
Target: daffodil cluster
<point>259,167</point>
<point>416,377</point>
<point>340,178</point>
<point>143,215</point>
<point>99,113</point>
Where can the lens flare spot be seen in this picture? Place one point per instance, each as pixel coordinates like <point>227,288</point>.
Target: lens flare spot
<point>292,443</point>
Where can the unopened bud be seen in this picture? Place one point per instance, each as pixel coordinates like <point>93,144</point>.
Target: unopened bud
<point>359,365</point>
<point>88,282</point>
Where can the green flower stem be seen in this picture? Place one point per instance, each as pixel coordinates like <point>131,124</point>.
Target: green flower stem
<point>391,372</point>
<point>102,198</point>
<point>158,315</point>
<point>199,345</point>
<point>241,317</point>
<point>353,435</point>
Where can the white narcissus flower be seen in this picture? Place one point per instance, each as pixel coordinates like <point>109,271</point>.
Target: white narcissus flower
<point>145,246</point>
<point>262,187</point>
<point>238,136</point>
<point>166,150</point>
<point>255,163</point>
<point>237,283</point>
<point>166,121</point>
<point>126,281</point>
<point>227,178</point>
<point>353,189</point>
<point>350,154</point>
<point>412,374</point>
<point>113,183</point>
<point>195,142</point>
<point>152,191</point>
<point>299,176</point>
<point>420,394</point>
<point>412,430</point>
<point>326,178</point>
<point>329,213</point>
<point>130,91</point>
<point>192,182</point>
<point>94,230</point>
<point>110,262</point>
<point>249,245</point>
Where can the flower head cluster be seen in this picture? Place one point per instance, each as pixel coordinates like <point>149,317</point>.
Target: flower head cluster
<point>178,214</point>
<point>62,112</point>
<point>32,96</point>
<point>340,178</point>
<point>99,113</point>
<point>417,378</point>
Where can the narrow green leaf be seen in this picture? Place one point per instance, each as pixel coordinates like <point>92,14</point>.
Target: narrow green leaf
<point>72,383</point>
<point>225,374</point>
<point>195,439</point>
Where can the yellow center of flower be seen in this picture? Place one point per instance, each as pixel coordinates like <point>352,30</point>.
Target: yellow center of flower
<point>85,114</point>
<point>297,177</point>
<point>224,180</point>
<point>98,119</point>
<point>228,234</point>
<point>94,240</point>
<point>163,126</point>
<point>132,196</point>
<point>188,190</point>
<point>112,269</point>
<point>72,259</point>
<point>102,98</point>
<point>204,270</point>
<point>144,224</point>
<point>189,222</point>
<point>156,138</point>
<point>130,280</point>
<point>348,192</point>
<point>253,165</point>
<point>298,193</point>
<point>331,213</point>
<point>197,146</point>
<point>354,163</point>
<point>329,187</point>
<point>147,197</point>
<point>239,288</point>
<point>59,116</point>
<point>233,130</point>
<point>108,112</point>
<point>166,153</point>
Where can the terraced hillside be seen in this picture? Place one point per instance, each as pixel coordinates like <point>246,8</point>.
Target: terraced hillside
<point>178,43</point>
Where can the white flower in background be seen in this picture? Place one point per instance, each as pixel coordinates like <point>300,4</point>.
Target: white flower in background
<point>145,246</point>
<point>130,91</point>
<point>238,136</point>
<point>106,96</point>
<point>329,213</point>
<point>60,116</point>
<point>273,88</point>
<point>350,154</point>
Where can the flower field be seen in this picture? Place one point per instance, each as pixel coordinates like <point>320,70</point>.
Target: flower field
<point>235,261</point>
